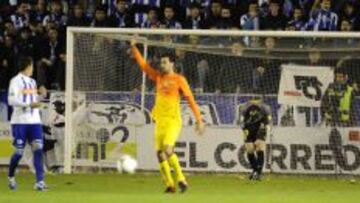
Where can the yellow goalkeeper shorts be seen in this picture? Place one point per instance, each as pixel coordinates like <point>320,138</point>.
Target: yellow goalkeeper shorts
<point>166,132</point>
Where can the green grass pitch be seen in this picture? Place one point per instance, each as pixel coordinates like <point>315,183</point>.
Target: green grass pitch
<point>109,188</point>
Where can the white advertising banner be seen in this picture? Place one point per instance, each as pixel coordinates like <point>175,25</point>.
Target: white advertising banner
<point>293,150</point>
<point>304,85</point>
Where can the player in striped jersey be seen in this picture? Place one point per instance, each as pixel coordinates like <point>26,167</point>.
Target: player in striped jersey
<point>26,122</point>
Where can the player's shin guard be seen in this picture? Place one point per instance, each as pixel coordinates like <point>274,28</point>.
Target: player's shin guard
<point>38,164</point>
<point>166,174</point>
<point>260,161</point>
<point>174,161</point>
<point>14,162</point>
<point>252,160</point>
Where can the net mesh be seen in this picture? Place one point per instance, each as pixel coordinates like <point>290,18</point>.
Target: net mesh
<point>224,72</point>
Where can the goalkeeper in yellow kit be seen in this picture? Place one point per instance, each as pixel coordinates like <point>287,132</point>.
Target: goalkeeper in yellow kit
<point>167,115</point>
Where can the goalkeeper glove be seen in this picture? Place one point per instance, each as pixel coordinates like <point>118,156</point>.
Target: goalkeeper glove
<point>265,129</point>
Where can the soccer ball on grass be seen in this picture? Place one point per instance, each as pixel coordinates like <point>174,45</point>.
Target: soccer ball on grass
<point>126,164</point>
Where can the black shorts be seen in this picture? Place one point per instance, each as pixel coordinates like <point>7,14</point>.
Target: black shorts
<point>259,134</point>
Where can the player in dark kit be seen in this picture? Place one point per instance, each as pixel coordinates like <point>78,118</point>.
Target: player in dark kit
<point>255,119</point>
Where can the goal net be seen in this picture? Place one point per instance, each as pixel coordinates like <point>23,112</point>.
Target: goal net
<point>309,79</point>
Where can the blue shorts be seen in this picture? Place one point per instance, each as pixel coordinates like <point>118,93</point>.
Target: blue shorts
<point>26,133</point>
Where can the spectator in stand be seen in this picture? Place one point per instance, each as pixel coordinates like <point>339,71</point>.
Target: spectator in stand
<point>266,70</point>
<point>195,20</point>
<point>7,61</point>
<point>315,58</point>
<point>50,25</point>
<point>56,15</point>
<point>21,18</point>
<point>201,76</point>
<point>38,37</point>
<point>235,71</point>
<point>250,21</point>
<point>226,20</point>
<point>100,18</point>
<point>89,6</point>
<point>78,18</point>
<point>349,12</point>
<point>9,29</point>
<point>140,10</point>
<point>323,19</point>
<point>214,15</point>
<point>152,20</point>
<point>40,12</point>
<point>25,43</point>
<point>169,20</point>
<point>345,25</point>
<point>4,70</point>
<point>356,24</point>
<point>275,19</point>
<point>297,22</point>
<point>180,61</point>
<point>51,67</point>
<point>122,17</point>
<point>179,6</point>
<point>238,8</point>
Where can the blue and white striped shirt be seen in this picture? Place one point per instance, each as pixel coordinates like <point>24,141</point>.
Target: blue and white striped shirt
<point>140,18</point>
<point>323,21</point>
<point>249,23</point>
<point>19,21</point>
<point>23,92</point>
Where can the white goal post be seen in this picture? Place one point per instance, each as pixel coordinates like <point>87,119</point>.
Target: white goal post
<point>142,34</point>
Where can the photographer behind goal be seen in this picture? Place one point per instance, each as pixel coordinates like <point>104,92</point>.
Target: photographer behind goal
<point>337,104</point>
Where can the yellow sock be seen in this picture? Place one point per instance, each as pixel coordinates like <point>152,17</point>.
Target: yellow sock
<point>174,161</point>
<point>166,174</point>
